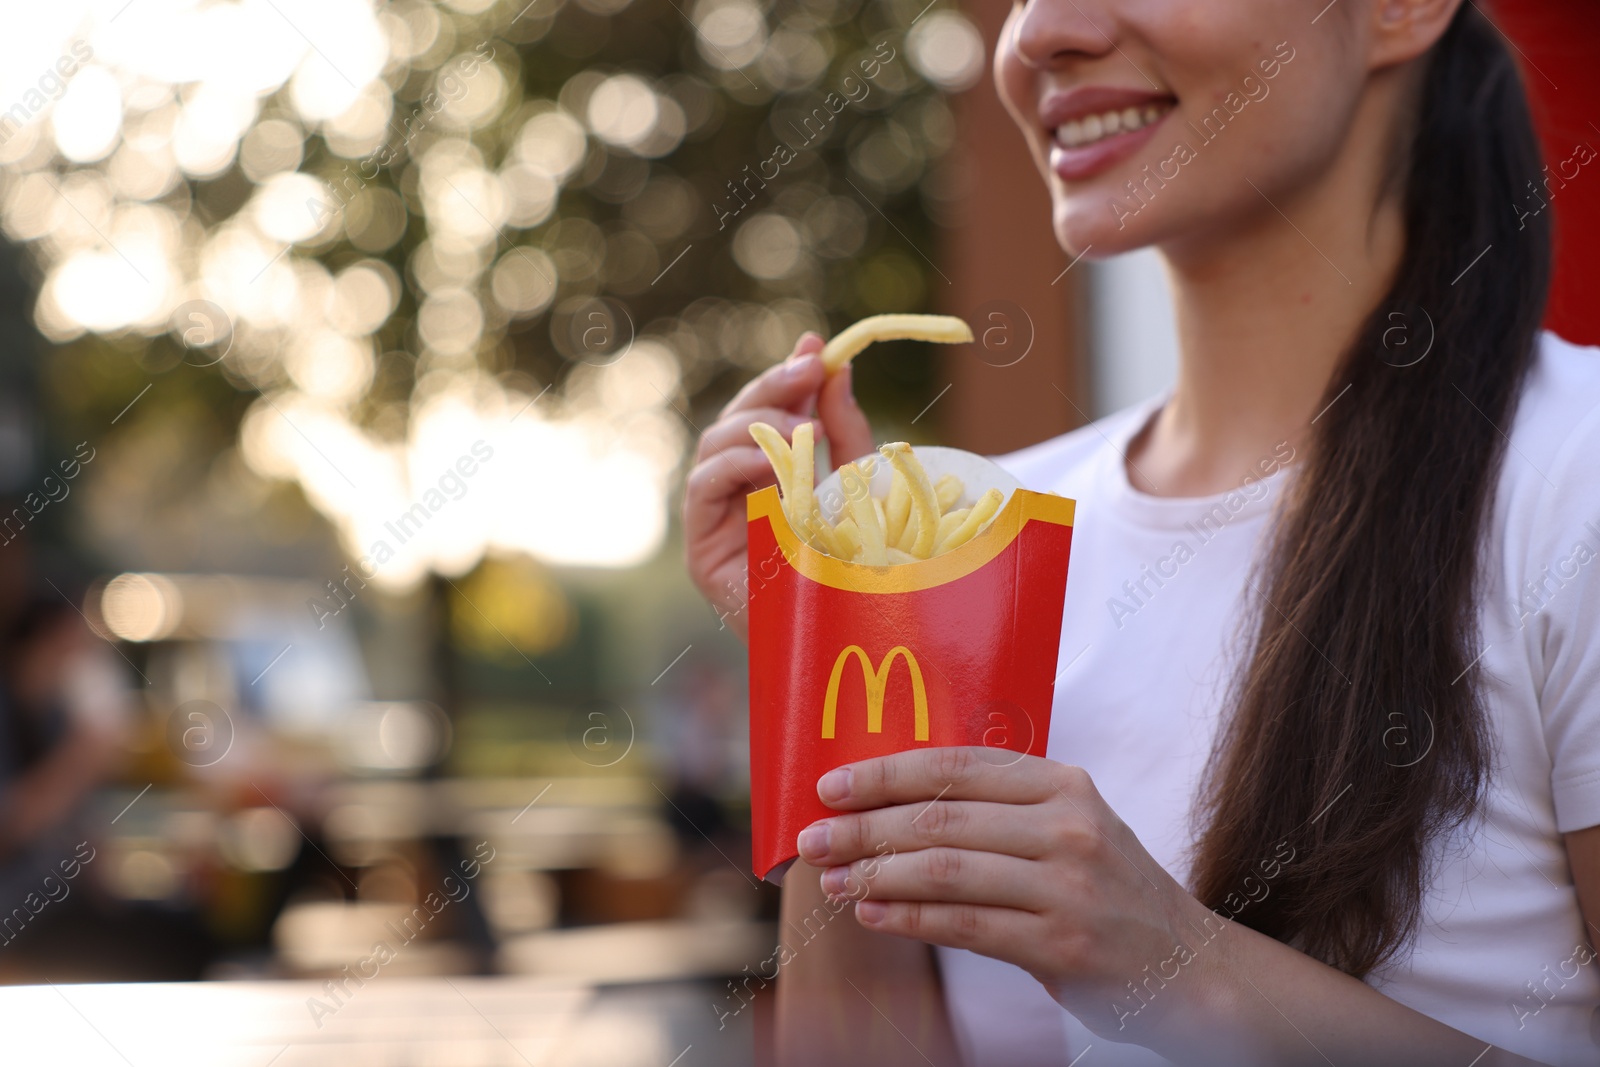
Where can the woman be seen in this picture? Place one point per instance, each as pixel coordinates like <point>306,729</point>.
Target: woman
<point>1324,775</point>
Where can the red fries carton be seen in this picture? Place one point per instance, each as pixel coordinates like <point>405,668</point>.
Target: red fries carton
<point>850,661</point>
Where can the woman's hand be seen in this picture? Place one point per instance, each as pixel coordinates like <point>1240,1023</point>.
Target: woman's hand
<point>728,465</point>
<point>1017,858</point>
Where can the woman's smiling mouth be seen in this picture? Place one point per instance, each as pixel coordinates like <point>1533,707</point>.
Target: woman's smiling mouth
<point>1091,129</point>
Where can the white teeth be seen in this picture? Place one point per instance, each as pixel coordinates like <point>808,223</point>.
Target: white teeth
<point>1091,128</point>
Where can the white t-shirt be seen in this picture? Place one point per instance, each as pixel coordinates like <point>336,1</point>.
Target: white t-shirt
<point>1151,637</point>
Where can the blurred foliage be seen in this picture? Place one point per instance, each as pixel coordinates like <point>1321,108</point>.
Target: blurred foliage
<point>510,610</point>
<point>671,226</point>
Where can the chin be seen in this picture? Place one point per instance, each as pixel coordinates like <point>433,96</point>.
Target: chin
<point>1086,225</point>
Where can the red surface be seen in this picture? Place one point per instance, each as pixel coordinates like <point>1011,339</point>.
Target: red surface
<point>985,644</point>
<point>1559,42</point>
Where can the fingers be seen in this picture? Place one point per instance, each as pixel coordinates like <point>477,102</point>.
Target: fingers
<point>970,824</point>
<point>796,386</point>
<point>726,473</point>
<point>808,343</point>
<point>849,433</point>
<point>949,875</point>
<point>733,430</point>
<point>970,773</point>
<point>791,385</point>
<point>973,926</point>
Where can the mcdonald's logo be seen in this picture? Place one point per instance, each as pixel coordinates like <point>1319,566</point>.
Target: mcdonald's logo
<point>877,681</point>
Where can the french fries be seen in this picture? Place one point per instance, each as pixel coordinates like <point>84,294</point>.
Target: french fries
<point>781,456</point>
<point>944,329</point>
<point>916,521</point>
<point>865,511</point>
<point>924,503</point>
<point>987,507</point>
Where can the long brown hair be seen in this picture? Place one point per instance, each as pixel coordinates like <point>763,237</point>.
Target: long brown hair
<point>1364,619</point>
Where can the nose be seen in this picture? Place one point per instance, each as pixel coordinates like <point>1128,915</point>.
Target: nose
<point>1042,33</point>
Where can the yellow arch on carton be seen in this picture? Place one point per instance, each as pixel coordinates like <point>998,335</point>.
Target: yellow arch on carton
<point>877,684</point>
<point>1023,507</point>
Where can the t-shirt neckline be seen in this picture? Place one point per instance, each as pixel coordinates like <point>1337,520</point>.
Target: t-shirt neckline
<point>1174,512</point>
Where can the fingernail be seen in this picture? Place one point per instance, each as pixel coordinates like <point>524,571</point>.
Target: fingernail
<point>813,840</point>
<point>871,911</point>
<point>835,785</point>
<point>799,365</point>
<point>835,880</point>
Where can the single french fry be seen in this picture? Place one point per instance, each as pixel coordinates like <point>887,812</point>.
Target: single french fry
<point>779,455</point>
<point>944,329</point>
<point>849,538</point>
<point>977,516</point>
<point>896,509</point>
<point>924,502</point>
<point>863,508</point>
<point>908,529</point>
<point>949,490</point>
<point>950,522</point>
<point>908,534</point>
<point>826,538</point>
<point>801,493</point>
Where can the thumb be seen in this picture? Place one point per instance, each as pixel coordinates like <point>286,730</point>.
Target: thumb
<point>845,424</point>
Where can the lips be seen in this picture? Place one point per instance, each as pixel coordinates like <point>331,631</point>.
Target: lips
<point>1093,128</point>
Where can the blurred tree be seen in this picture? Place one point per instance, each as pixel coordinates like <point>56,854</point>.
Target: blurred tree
<point>606,214</point>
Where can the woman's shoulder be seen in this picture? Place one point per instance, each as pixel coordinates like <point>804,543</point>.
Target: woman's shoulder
<point>1556,433</point>
<point>1560,400</point>
<point>1549,486</point>
<point>1050,463</point>
<point>1563,386</point>
<point>1549,540</point>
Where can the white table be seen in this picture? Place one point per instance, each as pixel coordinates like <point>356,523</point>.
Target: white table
<point>390,1021</point>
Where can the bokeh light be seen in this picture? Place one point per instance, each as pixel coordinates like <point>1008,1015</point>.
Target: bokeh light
<point>947,50</point>
<point>407,216</point>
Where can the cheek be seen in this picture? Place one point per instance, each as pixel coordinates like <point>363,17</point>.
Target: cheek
<point>1013,79</point>
<point>1018,88</point>
<point>1290,139</point>
<point>1191,177</point>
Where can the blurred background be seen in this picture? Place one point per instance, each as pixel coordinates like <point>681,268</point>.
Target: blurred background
<point>351,356</point>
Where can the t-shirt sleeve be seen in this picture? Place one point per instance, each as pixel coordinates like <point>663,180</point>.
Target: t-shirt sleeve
<point>1564,567</point>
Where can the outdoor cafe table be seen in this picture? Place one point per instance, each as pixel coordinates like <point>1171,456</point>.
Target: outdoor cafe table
<point>394,1022</point>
